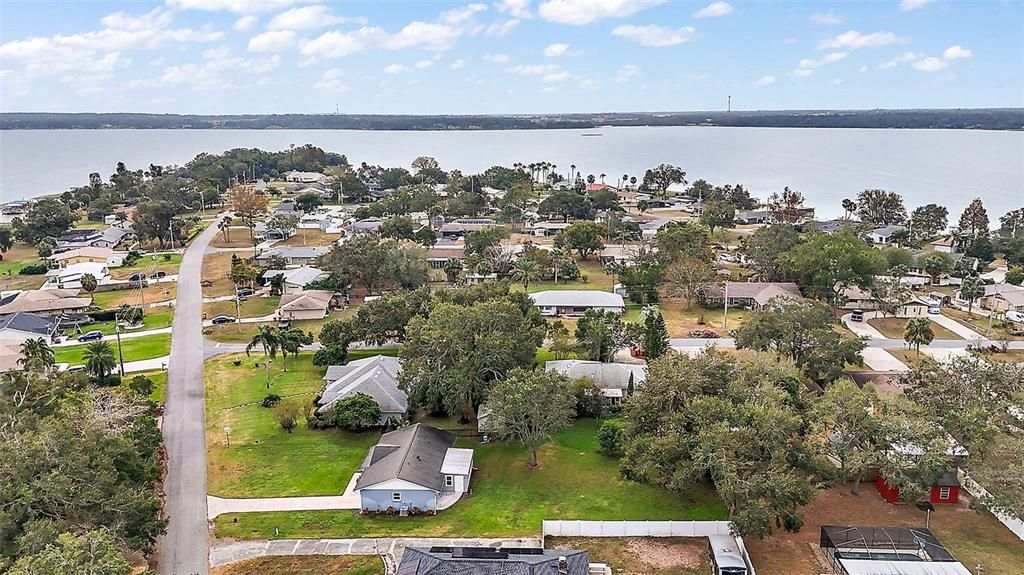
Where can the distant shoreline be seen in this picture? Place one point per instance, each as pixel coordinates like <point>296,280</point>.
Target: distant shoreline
<point>999,119</point>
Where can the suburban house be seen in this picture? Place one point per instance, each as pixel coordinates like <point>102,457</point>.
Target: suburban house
<point>883,235</point>
<point>364,226</point>
<point>293,255</point>
<point>438,255</point>
<point>542,229</point>
<point>854,550</point>
<point>945,245</point>
<point>46,302</point>
<point>415,469</point>
<point>576,302</point>
<point>306,177</point>
<point>273,233</point>
<point>376,376</point>
<point>857,298</point>
<point>651,228</point>
<point>310,304</point>
<point>754,295</point>
<point>459,227</point>
<point>612,378</point>
<point>10,353</point>
<point>71,276</point>
<point>915,307</point>
<point>20,326</point>
<point>85,238</point>
<point>1003,297</point>
<point>295,280</point>
<point>621,254</point>
<point>285,207</point>
<point>106,256</point>
<point>748,217</point>
<point>493,561</point>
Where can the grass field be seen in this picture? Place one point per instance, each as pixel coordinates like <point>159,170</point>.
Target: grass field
<point>1010,356</point>
<point>217,269</point>
<point>20,255</point>
<point>155,318</point>
<point>591,269</point>
<point>152,293</point>
<point>893,328</point>
<point>304,237</point>
<point>509,498</point>
<point>136,348</point>
<point>159,384</point>
<point>238,236</point>
<point>243,332</point>
<point>149,265</point>
<point>979,324</point>
<point>305,565</point>
<point>254,306</point>
<point>910,356</point>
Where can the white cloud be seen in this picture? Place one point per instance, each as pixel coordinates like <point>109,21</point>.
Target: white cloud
<point>904,57</point>
<point>245,23</point>
<point>423,35</point>
<point>218,53</point>
<point>580,12</point>
<point>765,81</point>
<point>854,39</point>
<point>395,69</point>
<point>457,64</point>
<point>957,51</point>
<point>829,18</point>
<point>863,69</point>
<point>236,6</point>
<point>330,81</point>
<point>546,72</point>
<point>497,29</point>
<point>908,5</point>
<point>654,36</point>
<point>803,72</point>
<point>626,73</point>
<point>460,15</point>
<point>307,18</point>
<point>273,41</point>
<point>496,58</point>
<point>336,45</point>
<point>515,8</point>
<point>790,41</point>
<point>556,50</point>
<point>930,64</point>
<point>210,74</point>
<point>713,10</point>
<point>807,66</point>
<point>424,64</point>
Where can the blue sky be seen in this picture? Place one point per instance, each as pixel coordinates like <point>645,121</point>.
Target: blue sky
<point>506,56</point>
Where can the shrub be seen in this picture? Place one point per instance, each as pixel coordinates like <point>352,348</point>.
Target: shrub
<point>609,438</point>
<point>103,315</point>
<point>33,269</point>
<point>356,413</point>
<point>167,257</point>
<point>332,354</point>
<point>271,400</point>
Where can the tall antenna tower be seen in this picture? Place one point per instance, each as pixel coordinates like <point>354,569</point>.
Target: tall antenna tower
<point>728,104</point>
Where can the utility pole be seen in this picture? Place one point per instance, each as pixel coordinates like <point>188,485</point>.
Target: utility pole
<point>725,314</point>
<point>238,311</point>
<point>120,354</point>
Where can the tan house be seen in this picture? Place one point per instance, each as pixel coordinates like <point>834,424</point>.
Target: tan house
<point>89,254</point>
<point>754,295</point>
<point>46,302</point>
<point>1003,297</point>
<point>310,304</point>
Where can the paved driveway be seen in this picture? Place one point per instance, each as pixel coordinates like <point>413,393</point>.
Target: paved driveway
<point>880,360</point>
<point>861,328</point>
<point>956,327</point>
<point>348,500</point>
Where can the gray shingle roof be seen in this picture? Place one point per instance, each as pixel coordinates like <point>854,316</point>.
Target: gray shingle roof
<point>375,376</point>
<point>606,375</point>
<point>577,298</point>
<point>417,457</point>
<point>28,322</point>
<point>451,561</point>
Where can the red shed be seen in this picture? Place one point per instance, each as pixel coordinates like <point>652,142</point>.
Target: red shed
<point>945,491</point>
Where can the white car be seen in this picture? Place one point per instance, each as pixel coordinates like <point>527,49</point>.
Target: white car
<point>1015,316</point>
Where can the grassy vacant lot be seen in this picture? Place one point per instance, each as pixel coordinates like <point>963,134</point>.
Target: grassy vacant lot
<point>135,348</point>
<point>264,460</point>
<point>591,270</point>
<point>254,306</point>
<point>159,384</point>
<point>152,293</point>
<point>979,324</point>
<point>149,265</point>
<point>971,537</point>
<point>243,332</point>
<point>647,555</point>
<point>20,255</point>
<point>217,269</point>
<point>305,565</point>
<point>155,318</point>
<point>893,328</point>
<point>238,237</point>
<point>304,237</point>
<point>1010,356</point>
<point>509,498</point>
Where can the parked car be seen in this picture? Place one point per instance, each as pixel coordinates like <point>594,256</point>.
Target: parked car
<point>157,275</point>
<point>138,280</point>
<point>857,315</point>
<point>91,335</point>
<point>222,319</point>
<point>245,292</point>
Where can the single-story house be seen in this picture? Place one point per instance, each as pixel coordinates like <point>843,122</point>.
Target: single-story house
<point>493,561</point>
<point>461,226</point>
<point>294,255</point>
<point>277,233</point>
<point>89,254</point>
<point>576,302</point>
<point>945,245</point>
<point>651,228</point>
<point>883,235</point>
<point>117,235</point>
<point>542,229</point>
<point>296,279</point>
<point>754,295</point>
<point>364,226</point>
<point>71,276</point>
<point>85,238</point>
<point>857,298</point>
<point>309,304</point>
<point>1003,297</point>
<point>46,302</point>
<point>20,326</point>
<point>410,469</point>
<point>915,307</point>
<point>438,255</point>
<point>284,207</point>
<point>621,254</point>
<point>613,378</point>
<point>305,177</point>
<point>376,376</point>
<point>752,216</point>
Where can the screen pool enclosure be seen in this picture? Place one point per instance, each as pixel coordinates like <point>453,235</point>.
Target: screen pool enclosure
<point>846,547</point>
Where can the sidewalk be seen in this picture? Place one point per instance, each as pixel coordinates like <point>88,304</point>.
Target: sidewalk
<point>124,335</point>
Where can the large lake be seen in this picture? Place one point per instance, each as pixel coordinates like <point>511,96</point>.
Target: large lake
<point>948,167</point>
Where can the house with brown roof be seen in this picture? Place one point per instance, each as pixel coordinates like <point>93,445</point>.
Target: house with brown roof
<point>309,304</point>
<point>45,302</point>
<point>753,295</point>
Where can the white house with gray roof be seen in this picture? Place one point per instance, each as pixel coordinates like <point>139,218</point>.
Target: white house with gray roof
<point>295,280</point>
<point>576,302</point>
<point>294,255</point>
<point>376,376</point>
<point>612,378</point>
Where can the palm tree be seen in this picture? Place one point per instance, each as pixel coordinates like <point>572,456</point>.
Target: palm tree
<point>602,177</point>
<point>572,171</point>
<point>632,181</point>
<point>918,331</point>
<point>526,271</point>
<point>89,284</point>
<point>971,289</point>
<point>624,180</point>
<point>99,359</point>
<point>290,341</point>
<point>224,225</point>
<point>277,285</point>
<point>36,352</point>
<point>269,340</point>
<point>849,206</point>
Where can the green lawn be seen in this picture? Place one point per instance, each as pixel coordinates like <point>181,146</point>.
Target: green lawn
<point>159,384</point>
<point>136,348</point>
<point>509,498</point>
<point>242,333</point>
<point>893,328</point>
<point>591,269</point>
<point>159,259</point>
<point>155,318</point>
<point>255,306</point>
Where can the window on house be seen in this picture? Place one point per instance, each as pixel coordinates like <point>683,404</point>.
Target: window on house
<point>943,493</point>
<point>396,496</point>
<point>449,481</point>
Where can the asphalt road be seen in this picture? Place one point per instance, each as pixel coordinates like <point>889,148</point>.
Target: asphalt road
<point>185,548</point>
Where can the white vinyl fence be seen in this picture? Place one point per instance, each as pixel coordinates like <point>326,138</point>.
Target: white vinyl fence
<point>571,528</point>
<point>1012,522</point>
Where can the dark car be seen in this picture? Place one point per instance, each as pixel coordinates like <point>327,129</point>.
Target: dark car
<point>138,280</point>
<point>245,292</point>
<point>222,319</point>
<point>157,275</point>
<point>91,335</point>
